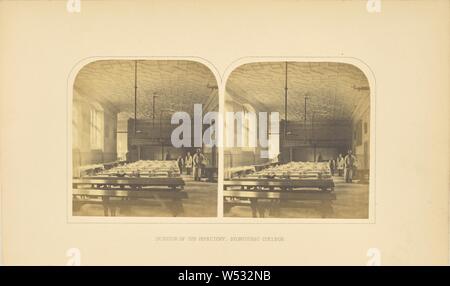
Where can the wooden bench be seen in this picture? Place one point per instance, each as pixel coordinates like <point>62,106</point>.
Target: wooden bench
<point>271,194</point>
<point>116,192</point>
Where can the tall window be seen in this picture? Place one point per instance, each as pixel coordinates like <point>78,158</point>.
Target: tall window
<point>249,130</point>
<point>274,140</point>
<point>358,133</point>
<point>97,127</point>
<point>122,135</point>
<point>75,124</point>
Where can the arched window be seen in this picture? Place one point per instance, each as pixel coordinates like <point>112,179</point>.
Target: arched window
<point>274,138</point>
<point>97,127</point>
<point>122,135</point>
<point>249,130</point>
<point>75,126</point>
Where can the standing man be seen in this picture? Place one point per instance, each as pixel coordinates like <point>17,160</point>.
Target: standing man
<point>332,166</point>
<point>349,165</point>
<point>340,165</point>
<point>198,164</point>
<point>188,163</point>
<point>180,163</point>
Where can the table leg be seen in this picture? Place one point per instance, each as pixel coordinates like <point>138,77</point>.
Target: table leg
<point>326,208</point>
<point>226,207</point>
<point>275,208</point>
<point>253,205</point>
<point>262,210</point>
<point>177,207</point>
<point>105,205</point>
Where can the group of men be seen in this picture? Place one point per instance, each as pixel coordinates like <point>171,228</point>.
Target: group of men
<point>192,164</point>
<point>345,166</point>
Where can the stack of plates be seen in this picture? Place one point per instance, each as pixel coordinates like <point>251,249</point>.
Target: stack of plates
<point>145,168</point>
<point>296,170</point>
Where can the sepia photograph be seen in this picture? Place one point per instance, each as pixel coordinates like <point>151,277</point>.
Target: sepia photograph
<point>124,159</point>
<point>300,144</point>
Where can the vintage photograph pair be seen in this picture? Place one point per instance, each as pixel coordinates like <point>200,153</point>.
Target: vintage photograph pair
<point>170,138</point>
<point>201,132</point>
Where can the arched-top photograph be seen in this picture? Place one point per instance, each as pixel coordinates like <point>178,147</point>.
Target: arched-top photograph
<point>124,161</point>
<point>317,125</point>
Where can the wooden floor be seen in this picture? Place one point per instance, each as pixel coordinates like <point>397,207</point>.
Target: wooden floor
<point>201,202</point>
<point>352,201</point>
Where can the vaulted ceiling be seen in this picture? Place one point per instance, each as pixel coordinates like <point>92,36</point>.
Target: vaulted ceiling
<point>332,89</point>
<point>178,84</point>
